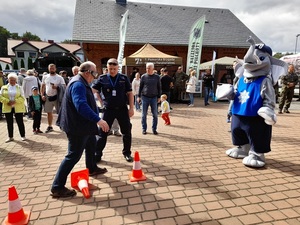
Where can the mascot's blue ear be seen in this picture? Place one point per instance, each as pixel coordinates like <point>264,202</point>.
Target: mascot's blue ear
<point>264,48</point>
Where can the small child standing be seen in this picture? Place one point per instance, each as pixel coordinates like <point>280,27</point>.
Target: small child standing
<point>35,107</point>
<point>165,109</point>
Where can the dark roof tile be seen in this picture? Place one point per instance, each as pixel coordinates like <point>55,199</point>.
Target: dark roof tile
<point>99,21</point>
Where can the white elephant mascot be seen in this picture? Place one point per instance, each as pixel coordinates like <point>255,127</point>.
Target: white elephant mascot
<point>253,110</point>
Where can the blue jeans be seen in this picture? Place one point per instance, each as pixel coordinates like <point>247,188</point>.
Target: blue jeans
<point>145,104</point>
<point>230,108</point>
<point>207,91</point>
<point>136,103</point>
<point>191,95</point>
<point>75,149</point>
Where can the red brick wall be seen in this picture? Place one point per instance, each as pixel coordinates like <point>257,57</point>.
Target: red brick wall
<point>97,52</point>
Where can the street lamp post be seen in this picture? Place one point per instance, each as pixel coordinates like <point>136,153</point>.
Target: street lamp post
<point>296,42</point>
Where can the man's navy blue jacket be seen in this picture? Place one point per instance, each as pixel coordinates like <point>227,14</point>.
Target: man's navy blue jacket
<point>78,114</point>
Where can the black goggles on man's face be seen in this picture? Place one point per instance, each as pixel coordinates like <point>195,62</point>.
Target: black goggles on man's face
<point>93,73</point>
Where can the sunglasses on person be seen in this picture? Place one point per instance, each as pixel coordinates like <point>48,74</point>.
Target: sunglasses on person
<point>93,73</point>
<point>112,63</point>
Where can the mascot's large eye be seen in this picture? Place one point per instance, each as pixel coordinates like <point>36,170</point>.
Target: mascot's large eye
<point>262,58</point>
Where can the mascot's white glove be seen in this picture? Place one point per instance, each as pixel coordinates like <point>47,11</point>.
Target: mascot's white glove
<point>224,91</point>
<point>268,114</point>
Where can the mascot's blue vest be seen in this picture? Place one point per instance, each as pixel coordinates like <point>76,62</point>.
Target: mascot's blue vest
<point>247,100</point>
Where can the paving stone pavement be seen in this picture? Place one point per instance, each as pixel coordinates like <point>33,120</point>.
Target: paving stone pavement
<point>190,180</point>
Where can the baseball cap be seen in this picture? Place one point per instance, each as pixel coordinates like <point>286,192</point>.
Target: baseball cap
<point>34,88</point>
<point>264,48</point>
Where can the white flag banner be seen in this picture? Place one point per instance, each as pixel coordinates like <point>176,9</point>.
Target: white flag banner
<point>123,29</point>
<point>195,45</point>
<point>213,63</point>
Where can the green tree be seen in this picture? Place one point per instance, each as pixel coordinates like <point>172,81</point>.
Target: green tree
<point>31,37</point>
<point>7,67</point>
<point>4,35</point>
<point>278,55</point>
<point>1,67</point>
<point>30,64</point>
<point>15,36</point>
<point>67,41</point>
<point>16,67</point>
<point>22,63</point>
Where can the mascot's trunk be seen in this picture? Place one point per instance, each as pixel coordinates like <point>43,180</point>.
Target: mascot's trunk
<point>249,57</point>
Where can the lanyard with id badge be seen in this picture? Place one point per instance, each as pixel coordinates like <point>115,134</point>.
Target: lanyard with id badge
<point>113,92</point>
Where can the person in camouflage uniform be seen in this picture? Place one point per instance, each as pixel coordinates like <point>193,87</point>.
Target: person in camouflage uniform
<point>288,81</point>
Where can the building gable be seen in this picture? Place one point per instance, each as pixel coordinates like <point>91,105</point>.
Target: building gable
<point>25,46</point>
<point>54,48</point>
<point>99,21</point>
<point>23,50</point>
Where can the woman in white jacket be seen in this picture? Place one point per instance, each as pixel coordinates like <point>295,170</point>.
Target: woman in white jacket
<point>135,90</point>
<point>191,87</point>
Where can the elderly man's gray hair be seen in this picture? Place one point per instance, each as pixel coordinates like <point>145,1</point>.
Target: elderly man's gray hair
<point>74,68</point>
<point>86,66</point>
<point>150,64</point>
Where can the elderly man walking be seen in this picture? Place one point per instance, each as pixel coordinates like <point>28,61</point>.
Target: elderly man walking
<point>149,93</point>
<point>79,118</point>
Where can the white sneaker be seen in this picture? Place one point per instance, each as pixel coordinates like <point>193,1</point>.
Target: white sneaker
<point>23,138</point>
<point>9,140</point>
<point>191,105</point>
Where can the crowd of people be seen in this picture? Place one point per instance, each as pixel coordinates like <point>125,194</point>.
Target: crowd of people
<point>25,94</point>
<point>91,107</point>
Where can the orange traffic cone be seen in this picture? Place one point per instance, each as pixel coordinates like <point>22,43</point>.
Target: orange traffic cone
<point>16,214</point>
<point>80,179</point>
<point>137,173</point>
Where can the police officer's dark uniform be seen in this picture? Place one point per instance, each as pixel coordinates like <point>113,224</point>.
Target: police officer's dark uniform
<point>114,95</point>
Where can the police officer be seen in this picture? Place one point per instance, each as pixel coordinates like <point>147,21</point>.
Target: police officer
<point>116,92</point>
<point>289,82</point>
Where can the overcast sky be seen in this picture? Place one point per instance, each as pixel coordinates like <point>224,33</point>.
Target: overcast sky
<point>276,22</point>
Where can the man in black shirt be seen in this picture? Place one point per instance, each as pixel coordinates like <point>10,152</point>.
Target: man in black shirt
<point>207,80</point>
<point>166,83</point>
<point>132,76</point>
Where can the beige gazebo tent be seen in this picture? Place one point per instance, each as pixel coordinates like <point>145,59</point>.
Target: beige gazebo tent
<point>222,66</point>
<point>224,62</point>
<point>150,54</point>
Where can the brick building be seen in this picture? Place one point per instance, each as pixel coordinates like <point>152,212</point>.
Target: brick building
<point>166,27</point>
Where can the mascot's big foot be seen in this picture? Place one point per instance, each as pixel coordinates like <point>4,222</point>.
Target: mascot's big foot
<point>239,152</point>
<point>255,160</point>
